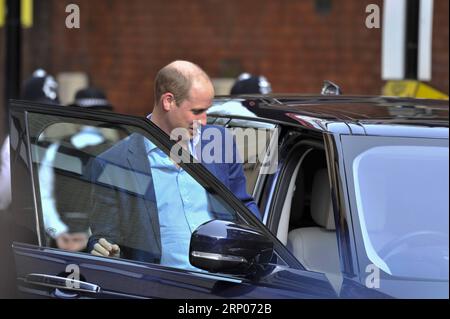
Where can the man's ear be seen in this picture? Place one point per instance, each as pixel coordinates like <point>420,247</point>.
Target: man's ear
<point>167,101</point>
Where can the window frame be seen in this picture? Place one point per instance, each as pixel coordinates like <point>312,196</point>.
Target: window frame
<point>161,140</point>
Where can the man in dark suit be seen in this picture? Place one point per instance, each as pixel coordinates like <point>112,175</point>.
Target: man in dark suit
<point>133,217</point>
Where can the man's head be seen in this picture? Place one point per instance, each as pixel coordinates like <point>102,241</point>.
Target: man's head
<point>183,93</point>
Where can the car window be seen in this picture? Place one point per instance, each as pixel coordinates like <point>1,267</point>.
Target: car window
<point>104,182</point>
<point>399,188</point>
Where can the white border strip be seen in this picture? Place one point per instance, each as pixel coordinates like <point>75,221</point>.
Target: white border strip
<point>425,40</point>
<point>393,45</point>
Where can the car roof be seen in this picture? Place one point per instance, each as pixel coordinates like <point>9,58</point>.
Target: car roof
<point>362,114</point>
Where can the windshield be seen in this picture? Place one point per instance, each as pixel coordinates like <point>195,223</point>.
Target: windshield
<point>400,190</point>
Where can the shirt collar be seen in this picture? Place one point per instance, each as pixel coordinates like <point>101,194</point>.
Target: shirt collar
<point>149,146</point>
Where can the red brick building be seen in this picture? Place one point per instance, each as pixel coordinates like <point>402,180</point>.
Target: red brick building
<point>295,43</point>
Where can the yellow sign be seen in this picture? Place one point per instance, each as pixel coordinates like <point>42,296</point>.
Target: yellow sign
<point>2,12</point>
<point>410,88</point>
<point>26,13</point>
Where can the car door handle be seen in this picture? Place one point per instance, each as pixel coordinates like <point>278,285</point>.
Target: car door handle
<point>62,283</point>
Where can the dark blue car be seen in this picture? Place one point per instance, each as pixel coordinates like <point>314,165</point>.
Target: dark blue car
<point>353,193</point>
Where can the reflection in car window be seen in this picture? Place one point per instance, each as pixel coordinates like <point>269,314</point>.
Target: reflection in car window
<point>62,157</point>
<point>401,194</point>
<point>125,190</point>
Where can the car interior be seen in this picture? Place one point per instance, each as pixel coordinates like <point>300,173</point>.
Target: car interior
<point>306,224</point>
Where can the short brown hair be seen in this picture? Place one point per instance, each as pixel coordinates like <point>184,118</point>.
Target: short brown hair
<point>169,79</point>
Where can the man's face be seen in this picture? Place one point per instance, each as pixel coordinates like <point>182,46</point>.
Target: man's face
<point>192,111</point>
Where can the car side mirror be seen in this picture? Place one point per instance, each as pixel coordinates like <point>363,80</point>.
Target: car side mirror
<point>229,248</point>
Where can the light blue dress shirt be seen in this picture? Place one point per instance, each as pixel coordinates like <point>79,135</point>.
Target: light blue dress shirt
<point>182,206</point>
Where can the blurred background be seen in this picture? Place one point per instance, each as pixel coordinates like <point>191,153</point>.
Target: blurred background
<point>366,47</point>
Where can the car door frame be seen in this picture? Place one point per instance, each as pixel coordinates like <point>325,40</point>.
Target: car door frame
<point>346,244</point>
<point>19,114</point>
<point>269,186</point>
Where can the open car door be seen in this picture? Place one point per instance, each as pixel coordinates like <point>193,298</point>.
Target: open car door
<point>52,151</point>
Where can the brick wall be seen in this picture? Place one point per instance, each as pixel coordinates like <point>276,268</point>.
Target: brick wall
<point>122,44</point>
<point>286,40</point>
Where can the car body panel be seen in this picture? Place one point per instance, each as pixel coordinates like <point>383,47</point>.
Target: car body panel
<point>118,278</point>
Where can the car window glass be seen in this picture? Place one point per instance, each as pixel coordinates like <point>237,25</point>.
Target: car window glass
<point>403,234</point>
<point>98,181</point>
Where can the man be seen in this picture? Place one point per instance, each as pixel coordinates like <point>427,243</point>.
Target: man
<point>40,87</point>
<point>167,204</point>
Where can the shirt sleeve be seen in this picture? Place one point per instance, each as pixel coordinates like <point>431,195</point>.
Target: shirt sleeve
<point>54,226</point>
<point>238,182</point>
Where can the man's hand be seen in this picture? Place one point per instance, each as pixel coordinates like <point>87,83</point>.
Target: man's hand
<point>72,241</point>
<point>105,249</point>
